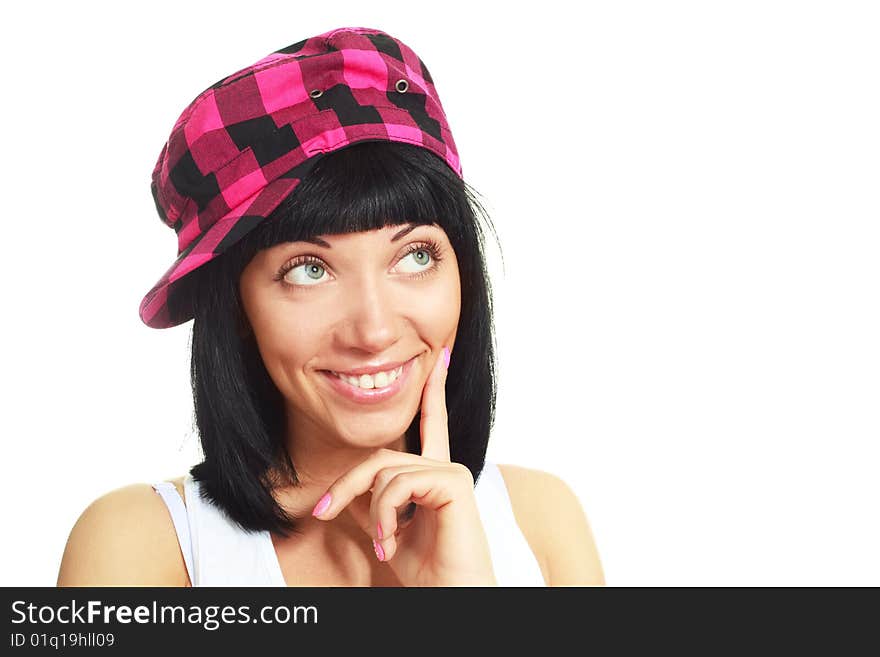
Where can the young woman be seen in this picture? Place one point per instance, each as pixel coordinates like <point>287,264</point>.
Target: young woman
<point>331,257</point>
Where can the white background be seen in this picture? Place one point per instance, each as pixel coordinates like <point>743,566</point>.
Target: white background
<point>686,195</point>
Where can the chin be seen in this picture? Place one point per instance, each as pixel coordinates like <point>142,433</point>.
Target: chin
<point>373,436</point>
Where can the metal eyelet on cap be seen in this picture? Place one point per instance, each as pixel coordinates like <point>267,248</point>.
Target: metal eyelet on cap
<point>316,93</point>
<point>402,86</point>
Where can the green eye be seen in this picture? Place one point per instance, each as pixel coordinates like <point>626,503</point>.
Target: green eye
<point>312,267</point>
<point>421,256</point>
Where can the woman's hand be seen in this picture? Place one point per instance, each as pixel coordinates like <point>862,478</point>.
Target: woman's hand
<point>444,544</point>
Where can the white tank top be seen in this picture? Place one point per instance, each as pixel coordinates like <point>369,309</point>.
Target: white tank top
<point>218,552</point>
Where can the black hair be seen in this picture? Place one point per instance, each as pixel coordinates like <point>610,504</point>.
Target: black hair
<point>239,411</point>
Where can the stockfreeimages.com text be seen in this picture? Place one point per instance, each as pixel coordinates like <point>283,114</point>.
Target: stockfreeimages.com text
<point>210,616</point>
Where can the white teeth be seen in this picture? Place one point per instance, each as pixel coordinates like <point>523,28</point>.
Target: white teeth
<point>369,381</point>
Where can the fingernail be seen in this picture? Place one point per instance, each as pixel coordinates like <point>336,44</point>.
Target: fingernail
<point>380,553</point>
<point>322,505</point>
<point>446,356</point>
<point>379,529</point>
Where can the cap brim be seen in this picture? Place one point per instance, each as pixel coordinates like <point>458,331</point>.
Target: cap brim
<point>155,311</point>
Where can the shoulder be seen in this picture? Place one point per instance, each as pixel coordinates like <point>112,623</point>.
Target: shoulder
<point>551,518</point>
<point>124,538</point>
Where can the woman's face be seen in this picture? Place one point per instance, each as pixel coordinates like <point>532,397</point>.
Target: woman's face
<point>363,300</point>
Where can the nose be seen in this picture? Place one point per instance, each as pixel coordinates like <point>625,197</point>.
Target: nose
<point>371,315</point>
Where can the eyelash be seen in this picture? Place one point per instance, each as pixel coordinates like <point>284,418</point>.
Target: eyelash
<point>429,245</point>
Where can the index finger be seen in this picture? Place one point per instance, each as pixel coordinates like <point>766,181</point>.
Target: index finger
<point>434,426</point>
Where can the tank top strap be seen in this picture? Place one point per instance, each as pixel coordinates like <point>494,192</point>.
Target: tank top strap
<point>512,558</point>
<point>177,508</point>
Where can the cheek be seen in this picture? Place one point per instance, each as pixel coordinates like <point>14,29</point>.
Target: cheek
<point>438,311</point>
<point>284,340</point>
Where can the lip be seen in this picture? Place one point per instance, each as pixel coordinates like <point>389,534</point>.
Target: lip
<point>372,396</point>
<point>385,367</point>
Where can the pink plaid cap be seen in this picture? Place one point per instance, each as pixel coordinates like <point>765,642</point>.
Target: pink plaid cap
<point>243,145</point>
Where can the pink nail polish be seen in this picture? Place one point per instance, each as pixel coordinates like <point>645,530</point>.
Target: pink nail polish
<point>446,356</point>
<point>380,553</point>
<point>379,529</point>
<point>322,505</point>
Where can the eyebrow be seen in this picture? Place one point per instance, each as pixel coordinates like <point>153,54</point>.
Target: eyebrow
<point>397,236</point>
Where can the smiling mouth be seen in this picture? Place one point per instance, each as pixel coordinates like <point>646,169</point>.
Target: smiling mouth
<point>371,381</point>
<point>369,389</point>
